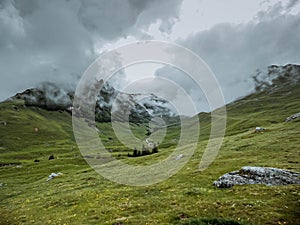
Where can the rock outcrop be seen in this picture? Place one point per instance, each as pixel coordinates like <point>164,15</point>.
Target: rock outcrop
<point>139,108</point>
<point>258,175</point>
<point>275,77</point>
<point>292,117</point>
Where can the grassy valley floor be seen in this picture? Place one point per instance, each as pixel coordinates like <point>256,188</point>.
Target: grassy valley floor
<point>82,196</point>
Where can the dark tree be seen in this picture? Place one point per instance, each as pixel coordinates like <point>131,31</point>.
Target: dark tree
<point>155,149</point>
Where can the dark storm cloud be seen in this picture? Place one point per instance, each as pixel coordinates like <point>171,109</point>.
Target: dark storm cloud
<point>235,51</point>
<point>56,40</point>
<point>292,4</point>
<point>117,17</point>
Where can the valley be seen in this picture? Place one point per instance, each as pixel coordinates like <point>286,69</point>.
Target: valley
<point>82,196</point>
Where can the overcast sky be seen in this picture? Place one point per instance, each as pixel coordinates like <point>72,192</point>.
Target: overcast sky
<point>57,40</point>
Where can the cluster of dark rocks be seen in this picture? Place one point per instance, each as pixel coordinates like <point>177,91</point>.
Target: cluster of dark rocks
<point>51,157</point>
<point>292,117</point>
<point>258,175</point>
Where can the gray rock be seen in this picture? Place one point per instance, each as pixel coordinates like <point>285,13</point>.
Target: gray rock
<point>258,175</point>
<point>275,77</point>
<point>4,123</point>
<point>260,129</point>
<point>292,117</point>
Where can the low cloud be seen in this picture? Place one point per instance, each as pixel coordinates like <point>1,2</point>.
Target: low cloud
<point>235,51</point>
<point>57,40</point>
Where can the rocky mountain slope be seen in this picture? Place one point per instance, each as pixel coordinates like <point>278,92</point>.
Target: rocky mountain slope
<point>276,77</point>
<point>139,107</point>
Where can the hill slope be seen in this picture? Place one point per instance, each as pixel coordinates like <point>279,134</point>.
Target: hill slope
<point>81,196</point>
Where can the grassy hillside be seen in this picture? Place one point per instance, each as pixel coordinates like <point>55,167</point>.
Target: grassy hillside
<point>81,196</point>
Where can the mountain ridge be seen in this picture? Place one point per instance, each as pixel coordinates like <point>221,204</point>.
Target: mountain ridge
<point>141,108</point>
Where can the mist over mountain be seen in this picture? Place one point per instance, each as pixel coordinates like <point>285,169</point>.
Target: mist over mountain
<point>111,104</point>
<point>139,108</point>
<point>55,41</point>
<point>276,77</point>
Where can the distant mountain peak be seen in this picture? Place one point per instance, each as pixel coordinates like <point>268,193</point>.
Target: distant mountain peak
<point>276,76</point>
<point>138,107</point>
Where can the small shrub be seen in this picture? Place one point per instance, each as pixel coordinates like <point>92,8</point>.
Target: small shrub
<point>155,149</point>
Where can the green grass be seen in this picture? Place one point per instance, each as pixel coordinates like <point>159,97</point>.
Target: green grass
<point>214,221</point>
<point>81,196</point>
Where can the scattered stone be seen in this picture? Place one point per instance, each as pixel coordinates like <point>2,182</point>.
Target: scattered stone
<point>121,219</point>
<point>53,175</point>
<point>292,117</point>
<point>179,157</point>
<point>7,164</point>
<point>260,129</point>
<point>88,157</point>
<point>51,157</point>
<point>258,175</point>
<point>36,130</point>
